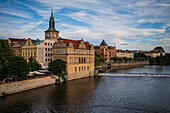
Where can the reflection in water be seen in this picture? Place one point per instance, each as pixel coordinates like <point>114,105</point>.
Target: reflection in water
<point>94,94</point>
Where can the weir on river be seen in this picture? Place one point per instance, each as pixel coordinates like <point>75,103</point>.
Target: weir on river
<point>134,74</point>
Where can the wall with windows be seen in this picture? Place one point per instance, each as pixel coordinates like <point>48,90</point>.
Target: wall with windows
<point>44,52</point>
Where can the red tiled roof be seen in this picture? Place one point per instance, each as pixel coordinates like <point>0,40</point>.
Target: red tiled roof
<point>16,40</point>
<point>76,43</point>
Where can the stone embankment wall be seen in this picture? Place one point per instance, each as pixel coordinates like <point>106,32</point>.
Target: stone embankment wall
<point>18,86</point>
<point>112,65</point>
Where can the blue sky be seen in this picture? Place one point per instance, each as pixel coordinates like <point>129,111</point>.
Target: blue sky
<point>128,24</point>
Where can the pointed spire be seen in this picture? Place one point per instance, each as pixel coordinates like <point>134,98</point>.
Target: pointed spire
<point>52,23</point>
<point>103,43</point>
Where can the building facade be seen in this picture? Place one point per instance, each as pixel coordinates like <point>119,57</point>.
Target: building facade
<point>44,52</point>
<point>29,49</point>
<point>78,54</point>
<point>105,51</point>
<point>125,53</point>
<point>16,45</point>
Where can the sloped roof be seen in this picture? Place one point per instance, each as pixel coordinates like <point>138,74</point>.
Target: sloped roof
<point>17,40</point>
<point>103,43</point>
<point>76,43</point>
<point>12,40</point>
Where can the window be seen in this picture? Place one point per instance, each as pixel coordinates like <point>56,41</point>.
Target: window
<point>79,68</point>
<point>75,69</point>
<point>84,68</point>
<point>54,35</point>
<point>48,35</point>
<point>79,59</point>
<point>51,44</point>
<point>48,49</point>
<point>45,44</point>
<point>75,60</point>
<point>87,67</point>
<point>48,44</point>
<point>70,60</point>
<point>46,60</point>
<point>46,54</point>
<point>45,49</point>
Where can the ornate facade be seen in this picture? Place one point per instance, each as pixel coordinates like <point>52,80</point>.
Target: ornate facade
<point>29,49</point>
<point>78,54</point>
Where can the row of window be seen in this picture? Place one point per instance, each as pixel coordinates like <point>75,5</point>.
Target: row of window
<point>27,49</point>
<point>81,60</point>
<point>48,49</point>
<point>49,44</point>
<point>48,60</point>
<point>29,54</point>
<point>78,69</point>
<point>54,35</point>
<point>49,55</point>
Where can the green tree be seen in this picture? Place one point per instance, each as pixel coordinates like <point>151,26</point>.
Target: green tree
<point>139,55</point>
<point>97,61</point>
<point>58,67</point>
<point>18,66</point>
<point>5,54</point>
<point>34,65</point>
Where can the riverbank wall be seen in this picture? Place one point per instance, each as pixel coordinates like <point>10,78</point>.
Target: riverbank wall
<point>18,86</point>
<point>107,66</point>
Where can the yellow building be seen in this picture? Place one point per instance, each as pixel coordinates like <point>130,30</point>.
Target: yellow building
<point>29,49</point>
<point>78,54</point>
<point>151,54</point>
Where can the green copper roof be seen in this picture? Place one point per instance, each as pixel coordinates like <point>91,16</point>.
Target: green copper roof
<point>51,23</point>
<point>38,42</point>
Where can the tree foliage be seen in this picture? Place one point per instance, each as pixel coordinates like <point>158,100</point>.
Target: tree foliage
<point>5,54</point>
<point>34,65</point>
<point>139,55</point>
<point>97,61</point>
<point>18,66</point>
<point>57,66</point>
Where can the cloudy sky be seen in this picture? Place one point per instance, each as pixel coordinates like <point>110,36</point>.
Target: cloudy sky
<point>128,24</point>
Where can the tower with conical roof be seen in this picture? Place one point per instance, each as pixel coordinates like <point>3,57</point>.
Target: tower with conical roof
<point>51,33</point>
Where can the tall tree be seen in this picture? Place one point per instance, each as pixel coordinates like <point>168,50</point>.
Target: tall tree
<point>5,54</point>
<point>58,67</point>
<point>18,66</point>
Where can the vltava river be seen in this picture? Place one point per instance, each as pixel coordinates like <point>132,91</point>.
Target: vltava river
<point>106,94</point>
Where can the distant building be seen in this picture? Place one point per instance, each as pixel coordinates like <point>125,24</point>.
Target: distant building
<point>78,54</point>
<point>150,53</point>
<point>159,49</point>
<point>124,53</point>
<point>105,51</point>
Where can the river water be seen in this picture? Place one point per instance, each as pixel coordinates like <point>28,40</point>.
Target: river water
<point>105,94</point>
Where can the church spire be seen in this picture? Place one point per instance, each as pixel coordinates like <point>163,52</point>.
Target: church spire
<point>51,22</point>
